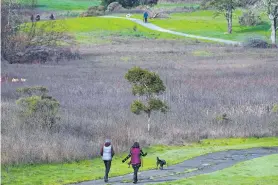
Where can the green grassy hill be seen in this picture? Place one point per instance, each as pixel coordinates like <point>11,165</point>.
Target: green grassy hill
<point>204,23</point>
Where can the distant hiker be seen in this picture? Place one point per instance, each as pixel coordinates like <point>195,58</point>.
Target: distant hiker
<point>38,17</point>
<point>146,15</point>
<point>135,154</point>
<point>32,18</point>
<point>52,17</point>
<point>107,153</point>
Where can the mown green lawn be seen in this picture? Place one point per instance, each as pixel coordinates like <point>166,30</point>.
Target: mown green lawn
<point>70,172</point>
<point>259,171</point>
<point>64,4</point>
<point>204,23</point>
<point>91,29</point>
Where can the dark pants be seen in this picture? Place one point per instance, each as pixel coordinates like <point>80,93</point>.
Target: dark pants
<point>136,169</point>
<point>107,169</point>
<point>145,19</point>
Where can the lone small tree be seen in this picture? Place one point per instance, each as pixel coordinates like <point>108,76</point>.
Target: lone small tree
<point>224,6</point>
<point>36,104</point>
<point>148,86</point>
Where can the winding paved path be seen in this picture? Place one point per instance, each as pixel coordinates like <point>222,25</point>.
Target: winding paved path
<point>199,165</point>
<point>157,28</point>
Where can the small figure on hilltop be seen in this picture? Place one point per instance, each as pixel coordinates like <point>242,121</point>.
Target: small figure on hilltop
<point>135,154</point>
<point>146,15</point>
<point>38,17</point>
<point>107,153</point>
<point>52,17</point>
<point>32,18</point>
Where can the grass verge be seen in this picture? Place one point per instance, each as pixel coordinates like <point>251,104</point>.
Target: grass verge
<point>203,23</point>
<point>259,171</point>
<point>71,172</point>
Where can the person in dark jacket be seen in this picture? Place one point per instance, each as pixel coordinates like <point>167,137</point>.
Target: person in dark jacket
<point>52,17</point>
<point>135,154</point>
<point>107,153</point>
<point>38,17</point>
<point>146,15</point>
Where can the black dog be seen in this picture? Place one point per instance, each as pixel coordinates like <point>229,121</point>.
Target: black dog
<point>160,162</point>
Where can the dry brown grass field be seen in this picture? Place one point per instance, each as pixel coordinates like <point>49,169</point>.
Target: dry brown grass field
<point>203,82</point>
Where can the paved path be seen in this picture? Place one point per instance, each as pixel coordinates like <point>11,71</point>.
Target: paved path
<point>157,28</point>
<point>199,165</point>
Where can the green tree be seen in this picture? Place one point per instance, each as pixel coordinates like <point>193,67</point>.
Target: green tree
<point>224,6</point>
<point>37,105</point>
<point>148,86</point>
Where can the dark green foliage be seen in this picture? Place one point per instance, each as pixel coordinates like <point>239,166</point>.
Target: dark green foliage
<point>36,105</point>
<point>152,105</point>
<point>137,106</point>
<point>144,82</point>
<point>158,105</point>
<point>148,84</point>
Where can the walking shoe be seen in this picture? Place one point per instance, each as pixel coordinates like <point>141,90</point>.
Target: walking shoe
<point>105,179</point>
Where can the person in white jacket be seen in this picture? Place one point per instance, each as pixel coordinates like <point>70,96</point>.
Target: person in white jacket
<point>107,153</point>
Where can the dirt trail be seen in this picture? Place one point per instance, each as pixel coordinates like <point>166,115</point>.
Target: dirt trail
<point>157,28</point>
<point>199,165</point>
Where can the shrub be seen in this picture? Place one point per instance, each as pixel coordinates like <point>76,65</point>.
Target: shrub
<point>223,119</point>
<point>43,54</point>
<point>94,11</point>
<point>36,104</point>
<point>256,43</point>
<point>275,108</point>
<point>129,3</point>
<point>249,19</point>
<point>134,28</point>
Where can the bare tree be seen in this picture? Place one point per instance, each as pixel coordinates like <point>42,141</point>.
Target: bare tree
<point>271,8</point>
<point>10,21</point>
<point>224,6</point>
<point>23,41</point>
